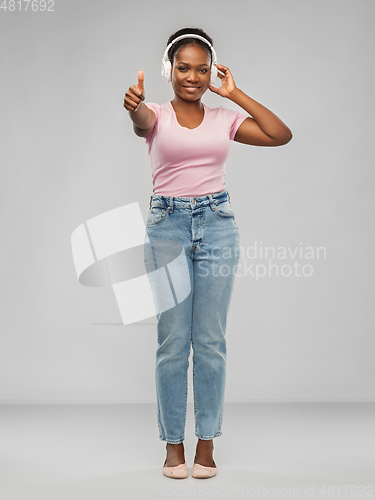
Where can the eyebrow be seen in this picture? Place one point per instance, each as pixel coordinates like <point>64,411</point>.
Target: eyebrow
<point>187,64</point>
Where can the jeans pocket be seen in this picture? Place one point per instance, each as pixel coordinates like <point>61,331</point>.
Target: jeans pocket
<point>156,215</point>
<point>225,209</point>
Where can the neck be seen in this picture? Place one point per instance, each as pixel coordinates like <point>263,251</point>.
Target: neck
<point>189,106</point>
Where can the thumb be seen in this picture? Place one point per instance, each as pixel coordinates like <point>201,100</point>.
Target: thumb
<point>141,77</point>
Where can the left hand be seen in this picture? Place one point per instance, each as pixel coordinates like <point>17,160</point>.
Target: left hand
<point>227,82</point>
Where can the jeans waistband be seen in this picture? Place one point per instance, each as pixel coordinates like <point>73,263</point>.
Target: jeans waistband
<point>158,200</point>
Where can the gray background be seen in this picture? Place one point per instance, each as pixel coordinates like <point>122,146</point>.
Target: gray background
<point>69,153</point>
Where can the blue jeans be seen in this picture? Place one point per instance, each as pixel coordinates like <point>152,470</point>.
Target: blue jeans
<point>206,229</point>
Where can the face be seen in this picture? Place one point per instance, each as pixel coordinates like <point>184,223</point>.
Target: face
<point>191,68</point>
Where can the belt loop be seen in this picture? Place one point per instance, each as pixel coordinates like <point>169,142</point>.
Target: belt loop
<point>150,200</point>
<point>228,195</point>
<point>212,204</point>
<point>170,208</point>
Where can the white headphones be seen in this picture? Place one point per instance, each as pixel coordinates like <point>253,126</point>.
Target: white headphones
<point>166,66</point>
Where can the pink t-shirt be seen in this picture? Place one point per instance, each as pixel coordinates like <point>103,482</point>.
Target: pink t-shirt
<point>190,162</point>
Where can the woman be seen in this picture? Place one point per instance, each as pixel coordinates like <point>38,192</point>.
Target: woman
<point>188,143</point>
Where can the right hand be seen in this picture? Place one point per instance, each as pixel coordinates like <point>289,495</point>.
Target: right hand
<point>136,94</point>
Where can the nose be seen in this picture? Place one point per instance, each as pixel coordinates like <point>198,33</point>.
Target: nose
<point>192,76</point>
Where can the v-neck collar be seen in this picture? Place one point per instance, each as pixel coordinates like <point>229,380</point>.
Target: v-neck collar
<point>187,128</point>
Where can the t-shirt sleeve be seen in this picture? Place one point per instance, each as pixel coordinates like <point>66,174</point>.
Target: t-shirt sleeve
<point>156,109</point>
<point>235,119</point>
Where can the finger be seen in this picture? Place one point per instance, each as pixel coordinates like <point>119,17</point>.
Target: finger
<point>131,102</point>
<point>213,89</point>
<point>223,69</point>
<point>141,78</point>
<point>131,108</point>
<point>127,107</point>
<point>135,92</point>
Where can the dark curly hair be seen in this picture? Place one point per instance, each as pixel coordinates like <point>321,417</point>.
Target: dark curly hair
<point>184,41</point>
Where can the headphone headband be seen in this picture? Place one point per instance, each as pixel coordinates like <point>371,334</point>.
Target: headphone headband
<point>189,35</point>
<point>166,66</point>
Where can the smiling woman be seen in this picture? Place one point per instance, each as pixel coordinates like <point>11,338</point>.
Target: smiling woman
<point>188,144</point>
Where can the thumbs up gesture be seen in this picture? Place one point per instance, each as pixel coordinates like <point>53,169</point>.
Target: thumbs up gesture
<point>136,94</point>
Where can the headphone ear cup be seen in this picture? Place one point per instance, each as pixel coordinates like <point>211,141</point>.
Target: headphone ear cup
<point>166,69</point>
<point>213,74</point>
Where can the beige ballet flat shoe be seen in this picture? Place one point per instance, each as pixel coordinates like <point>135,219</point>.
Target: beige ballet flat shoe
<point>201,471</point>
<point>178,471</point>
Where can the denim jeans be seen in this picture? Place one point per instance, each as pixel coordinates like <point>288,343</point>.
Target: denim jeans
<point>205,227</point>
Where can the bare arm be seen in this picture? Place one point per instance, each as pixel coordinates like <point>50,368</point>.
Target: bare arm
<point>143,117</point>
<point>262,128</point>
<point>143,120</point>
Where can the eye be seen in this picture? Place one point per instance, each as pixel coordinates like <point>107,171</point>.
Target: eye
<point>181,68</point>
